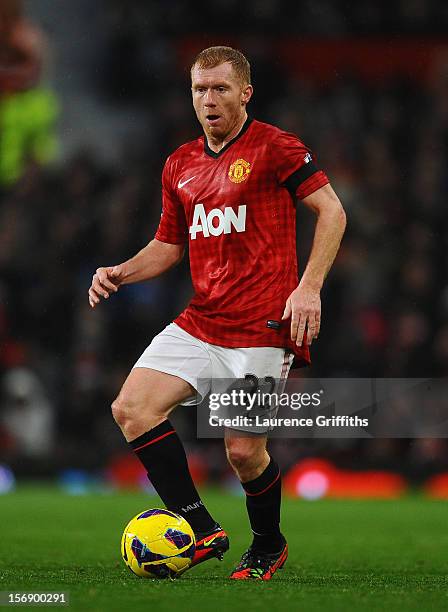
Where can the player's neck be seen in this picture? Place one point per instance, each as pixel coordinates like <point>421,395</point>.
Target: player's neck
<point>217,144</point>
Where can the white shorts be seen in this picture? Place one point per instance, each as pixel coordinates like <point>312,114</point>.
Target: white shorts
<point>175,351</point>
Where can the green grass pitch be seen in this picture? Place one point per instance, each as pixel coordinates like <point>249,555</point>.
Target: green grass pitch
<point>344,555</point>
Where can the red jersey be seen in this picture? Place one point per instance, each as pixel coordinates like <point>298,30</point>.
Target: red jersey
<point>236,209</point>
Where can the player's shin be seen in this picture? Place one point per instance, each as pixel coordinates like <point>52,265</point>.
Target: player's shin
<point>163,456</point>
<point>263,499</point>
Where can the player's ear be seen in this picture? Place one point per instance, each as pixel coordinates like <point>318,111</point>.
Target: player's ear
<point>246,94</point>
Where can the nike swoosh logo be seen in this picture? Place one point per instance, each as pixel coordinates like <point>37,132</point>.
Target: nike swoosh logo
<point>210,541</point>
<point>181,184</point>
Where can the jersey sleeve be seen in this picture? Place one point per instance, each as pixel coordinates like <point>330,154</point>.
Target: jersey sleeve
<point>173,225</point>
<point>295,166</point>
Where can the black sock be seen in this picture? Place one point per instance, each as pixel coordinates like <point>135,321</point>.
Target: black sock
<point>163,456</point>
<point>263,498</point>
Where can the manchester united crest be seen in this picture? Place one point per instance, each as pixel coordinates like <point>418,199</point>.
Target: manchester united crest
<point>239,171</point>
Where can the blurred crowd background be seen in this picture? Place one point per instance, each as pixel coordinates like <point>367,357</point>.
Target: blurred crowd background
<point>94,96</point>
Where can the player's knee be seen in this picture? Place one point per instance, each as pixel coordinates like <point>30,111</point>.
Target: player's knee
<point>118,412</point>
<point>123,411</point>
<point>136,417</point>
<point>241,457</point>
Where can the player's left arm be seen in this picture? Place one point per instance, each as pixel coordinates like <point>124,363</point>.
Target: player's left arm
<point>303,305</point>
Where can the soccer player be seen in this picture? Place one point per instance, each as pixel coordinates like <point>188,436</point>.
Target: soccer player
<point>231,195</point>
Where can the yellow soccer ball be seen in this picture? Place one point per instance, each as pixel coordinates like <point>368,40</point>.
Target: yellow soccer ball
<point>158,543</point>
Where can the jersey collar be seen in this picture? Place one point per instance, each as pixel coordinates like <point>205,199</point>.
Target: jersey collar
<point>209,151</point>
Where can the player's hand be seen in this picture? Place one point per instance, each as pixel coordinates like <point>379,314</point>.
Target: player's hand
<point>303,306</point>
<point>104,282</point>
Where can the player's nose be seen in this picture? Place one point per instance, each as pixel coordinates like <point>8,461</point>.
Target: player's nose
<point>209,99</point>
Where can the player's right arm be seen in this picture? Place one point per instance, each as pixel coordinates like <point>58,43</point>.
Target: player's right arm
<point>153,260</point>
